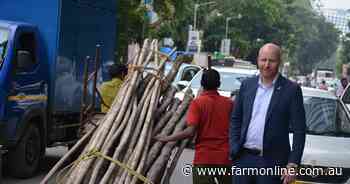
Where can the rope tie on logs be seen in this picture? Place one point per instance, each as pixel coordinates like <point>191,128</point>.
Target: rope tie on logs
<point>159,76</point>
<point>94,153</point>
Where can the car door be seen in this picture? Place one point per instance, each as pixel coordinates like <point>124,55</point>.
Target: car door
<point>189,72</point>
<point>345,97</point>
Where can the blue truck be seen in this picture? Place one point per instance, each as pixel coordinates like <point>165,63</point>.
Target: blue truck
<point>43,44</point>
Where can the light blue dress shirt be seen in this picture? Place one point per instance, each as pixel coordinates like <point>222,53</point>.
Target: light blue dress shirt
<point>255,134</point>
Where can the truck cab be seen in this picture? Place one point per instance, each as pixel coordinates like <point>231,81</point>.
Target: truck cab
<point>43,46</point>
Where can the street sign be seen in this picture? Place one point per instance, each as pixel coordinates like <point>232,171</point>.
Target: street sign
<point>194,43</point>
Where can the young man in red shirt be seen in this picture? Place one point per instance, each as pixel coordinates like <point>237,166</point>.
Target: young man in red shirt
<point>208,118</point>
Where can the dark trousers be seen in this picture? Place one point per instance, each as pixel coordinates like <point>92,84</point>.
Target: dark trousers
<point>248,168</point>
<point>211,174</point>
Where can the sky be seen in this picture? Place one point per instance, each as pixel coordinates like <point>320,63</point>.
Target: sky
<point>339,4</point>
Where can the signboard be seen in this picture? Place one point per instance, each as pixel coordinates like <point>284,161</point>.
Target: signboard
<point>194,43</point>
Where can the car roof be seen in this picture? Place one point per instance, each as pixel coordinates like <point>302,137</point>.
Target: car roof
<point>313,92</point>
<point>236,70</point>
<point>169,65</point>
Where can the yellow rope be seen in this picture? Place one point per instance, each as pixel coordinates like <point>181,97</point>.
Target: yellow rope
<point>95,153</point>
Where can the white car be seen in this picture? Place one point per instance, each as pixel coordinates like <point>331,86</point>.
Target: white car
<point>185,73</point>
<point>327,142</point>
<point>231,79</point>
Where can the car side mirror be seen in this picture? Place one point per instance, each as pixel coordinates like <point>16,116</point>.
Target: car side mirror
<point>24,60</point>
<point>182,84</point>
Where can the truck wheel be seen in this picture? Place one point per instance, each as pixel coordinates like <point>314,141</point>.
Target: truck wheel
<point>25,158</point>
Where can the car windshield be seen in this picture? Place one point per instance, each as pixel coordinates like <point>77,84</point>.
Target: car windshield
<point>325,117</point>
<point>229,81</point>
<point>4,34</point>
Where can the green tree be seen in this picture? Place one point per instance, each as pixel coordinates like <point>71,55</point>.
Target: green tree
<point>344,51</point>
<point>316,40</point>
<point>305,37</point>
<point>129,23</point>
<point>261,21</point>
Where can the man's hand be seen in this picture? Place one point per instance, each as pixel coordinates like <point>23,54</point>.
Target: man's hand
<point>290,176</point>
<point>183,134</point>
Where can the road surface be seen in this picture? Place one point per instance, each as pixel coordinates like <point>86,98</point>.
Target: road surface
<point>54,154</point>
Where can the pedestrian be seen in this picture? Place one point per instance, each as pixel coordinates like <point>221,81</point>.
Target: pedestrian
<point>267,108</point>
<point>110,88</point>
<point>343,83</point>
<point>208,118</point>
<point>323,85</point>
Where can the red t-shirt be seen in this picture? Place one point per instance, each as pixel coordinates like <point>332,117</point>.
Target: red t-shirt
<point>211,113</point>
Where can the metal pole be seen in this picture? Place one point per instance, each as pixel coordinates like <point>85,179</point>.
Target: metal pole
<point>196,6</point>
<point>226,34</point>
<point>227,22</point>
<point>195,17</point>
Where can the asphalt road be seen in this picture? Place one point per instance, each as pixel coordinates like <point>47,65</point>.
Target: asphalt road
<point>54,154</point>
<point>182,168</point>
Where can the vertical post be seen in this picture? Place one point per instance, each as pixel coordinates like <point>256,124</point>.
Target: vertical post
<point>195,17</point>
<point>83,98</point>
<point>97,66</point>
<point>209,62</point>
<point>226,34</point>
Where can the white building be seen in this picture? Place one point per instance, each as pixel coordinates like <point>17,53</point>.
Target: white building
<point>339,18</point>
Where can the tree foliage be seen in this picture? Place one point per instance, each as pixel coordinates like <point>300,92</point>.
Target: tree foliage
<point>344,51</point>
<point>316,40</point>
<point>304,35</point>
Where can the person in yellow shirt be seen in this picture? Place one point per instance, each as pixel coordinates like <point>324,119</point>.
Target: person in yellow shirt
<point>109,89</point>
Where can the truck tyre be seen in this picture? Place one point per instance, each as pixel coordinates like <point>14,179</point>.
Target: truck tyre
<point>25,158</point>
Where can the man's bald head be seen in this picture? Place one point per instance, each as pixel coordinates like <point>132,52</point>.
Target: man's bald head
<point>271,47</point>
<point>269,60</point>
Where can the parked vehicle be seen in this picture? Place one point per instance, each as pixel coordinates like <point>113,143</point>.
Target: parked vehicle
<point>43,44</point>
<point>185,73</point>
<point>231,79</point>
<point>328,136</point>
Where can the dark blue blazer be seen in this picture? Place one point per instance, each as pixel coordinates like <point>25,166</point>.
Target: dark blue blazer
<point>285,113</point>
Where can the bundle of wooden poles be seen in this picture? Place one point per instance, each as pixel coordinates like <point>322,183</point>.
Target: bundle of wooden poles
<point>121,149</point>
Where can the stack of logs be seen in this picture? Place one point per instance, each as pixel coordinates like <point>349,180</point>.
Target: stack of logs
<point>121,149</point>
